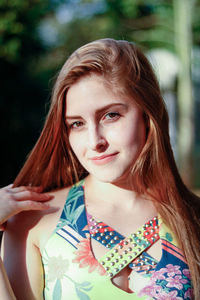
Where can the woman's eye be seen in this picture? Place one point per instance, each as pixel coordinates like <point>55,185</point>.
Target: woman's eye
<point>76,125</point>
<point>112,116</point>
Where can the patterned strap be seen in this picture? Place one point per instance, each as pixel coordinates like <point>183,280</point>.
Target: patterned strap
<point>131,247</point>
<point>103,234</point>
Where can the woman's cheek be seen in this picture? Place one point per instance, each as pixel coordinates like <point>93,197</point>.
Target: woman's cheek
<point>114,133</point>
<point>74,143</point>
<point>118,136</point>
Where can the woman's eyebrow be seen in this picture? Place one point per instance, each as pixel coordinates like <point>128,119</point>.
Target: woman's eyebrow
<point>113,105</point>
<point>100,110</point>
<point>72,117</point>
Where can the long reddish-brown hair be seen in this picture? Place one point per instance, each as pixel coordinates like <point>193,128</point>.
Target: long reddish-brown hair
<point>52,164</point>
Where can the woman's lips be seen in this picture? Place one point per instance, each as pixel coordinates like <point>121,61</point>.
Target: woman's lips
<point>103,159</point>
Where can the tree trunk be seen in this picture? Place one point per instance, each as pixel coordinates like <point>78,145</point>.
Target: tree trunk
<point>183,42</point>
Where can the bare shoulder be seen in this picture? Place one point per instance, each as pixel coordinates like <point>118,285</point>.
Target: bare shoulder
<point>38,225</point>
<point>25,236</point>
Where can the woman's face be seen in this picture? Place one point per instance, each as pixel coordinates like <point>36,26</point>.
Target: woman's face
<point>106,130</point>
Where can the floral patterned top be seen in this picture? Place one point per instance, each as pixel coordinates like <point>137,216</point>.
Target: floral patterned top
<point>72,272</point>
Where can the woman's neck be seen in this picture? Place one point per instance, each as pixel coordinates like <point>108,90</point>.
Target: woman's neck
<point>111,194</point>
<point>123,209</point>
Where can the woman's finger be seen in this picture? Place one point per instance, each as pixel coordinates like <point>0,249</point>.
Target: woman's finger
<point>30,195</point>
<point>7,187</point>
<point>32,205</point>
<point>24,188</point>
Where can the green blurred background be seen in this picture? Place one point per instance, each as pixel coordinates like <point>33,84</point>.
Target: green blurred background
<point>37,36</point>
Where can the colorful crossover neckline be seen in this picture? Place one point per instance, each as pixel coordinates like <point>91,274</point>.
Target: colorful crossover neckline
<point>124,250</point>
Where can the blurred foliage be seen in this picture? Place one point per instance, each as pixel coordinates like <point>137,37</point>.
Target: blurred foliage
<point>18,18</point>
<point>22,97</point>
<point>37,36</point>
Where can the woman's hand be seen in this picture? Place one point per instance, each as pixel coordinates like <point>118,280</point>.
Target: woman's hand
<point>15,200</point>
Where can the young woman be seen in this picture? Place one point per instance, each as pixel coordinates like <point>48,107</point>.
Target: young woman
<point>122,225</point>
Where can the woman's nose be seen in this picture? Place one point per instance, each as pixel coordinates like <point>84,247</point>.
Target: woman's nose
<point>96,139</point>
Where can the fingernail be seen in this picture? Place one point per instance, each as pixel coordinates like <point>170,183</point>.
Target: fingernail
<point>45,206</point>
<point>48,196</point>
<point>39,188</point>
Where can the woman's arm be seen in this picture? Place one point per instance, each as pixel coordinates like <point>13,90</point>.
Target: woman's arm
<point>5,287</point>
<point>13,201</point>
<point>22,258</point>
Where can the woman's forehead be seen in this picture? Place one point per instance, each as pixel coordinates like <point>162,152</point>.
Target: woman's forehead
<point>91,93</point>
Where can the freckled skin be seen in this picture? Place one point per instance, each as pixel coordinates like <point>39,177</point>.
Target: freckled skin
<point>96,129</point>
